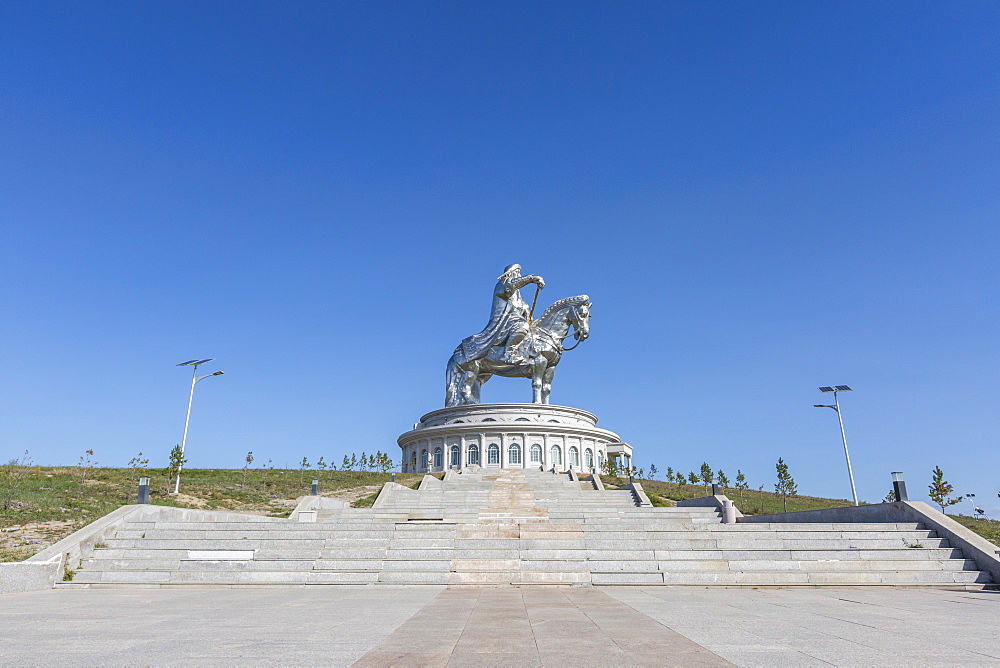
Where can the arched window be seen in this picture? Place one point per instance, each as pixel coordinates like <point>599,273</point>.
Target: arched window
<point>522,420</point>
<point>556,456</point>
<point>459,422</point>
<point>489,420</point>
<point>514,454</point>
<point>536,453</point>
<point>437,458</point>
<point>413,461</point>
<point>474,454</point>
<point>574,456</point>
<point>556,421</point>
<point>493,454</point>
<point>588,458</point>
<point>456,456</point>
<point>600,459</point>
<point>424,463</point>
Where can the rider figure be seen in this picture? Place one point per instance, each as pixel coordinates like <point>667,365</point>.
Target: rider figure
<point>511,311</point>
<point>510,318</point>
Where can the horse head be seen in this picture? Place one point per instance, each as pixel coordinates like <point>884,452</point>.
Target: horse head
<point>568,311</point>
<point>579,316</point>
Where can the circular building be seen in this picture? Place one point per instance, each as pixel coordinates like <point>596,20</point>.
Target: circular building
<point>539,436</point>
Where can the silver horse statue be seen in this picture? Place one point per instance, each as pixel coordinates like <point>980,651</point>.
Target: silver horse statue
<point>533,355</point>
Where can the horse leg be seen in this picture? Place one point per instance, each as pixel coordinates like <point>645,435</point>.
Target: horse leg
<point>470,389</point>
<point>537,371</point>
<point>547,383</point>
<point>453,378</point>
<point>478,385</point>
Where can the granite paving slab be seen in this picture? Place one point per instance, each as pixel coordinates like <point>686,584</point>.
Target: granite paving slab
<point>842,627</point>
<point>536,626</point>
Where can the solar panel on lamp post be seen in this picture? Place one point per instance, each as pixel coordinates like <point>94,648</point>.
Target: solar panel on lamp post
<point>826,389</point>
<point>194,381</point>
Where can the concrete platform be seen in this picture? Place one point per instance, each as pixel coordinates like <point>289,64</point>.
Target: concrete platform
<point>528,626</point>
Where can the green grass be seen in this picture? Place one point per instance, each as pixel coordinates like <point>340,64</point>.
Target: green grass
<point>366,501</point>
<point>49,494</point>
<point>988,529</point>
<point>751,502</point>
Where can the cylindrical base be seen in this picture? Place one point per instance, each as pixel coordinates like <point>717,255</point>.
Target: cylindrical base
<point>539,436</point>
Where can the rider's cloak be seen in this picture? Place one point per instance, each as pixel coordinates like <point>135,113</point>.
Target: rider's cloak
<point>509,314</point>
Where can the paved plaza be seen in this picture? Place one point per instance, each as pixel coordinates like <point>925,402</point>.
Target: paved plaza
<point>528,626</point>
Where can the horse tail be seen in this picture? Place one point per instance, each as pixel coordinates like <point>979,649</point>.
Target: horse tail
<point>453,383</point>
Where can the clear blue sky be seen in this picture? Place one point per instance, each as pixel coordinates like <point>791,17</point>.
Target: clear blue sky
<point>760,198</point>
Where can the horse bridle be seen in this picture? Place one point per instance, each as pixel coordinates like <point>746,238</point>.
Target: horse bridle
<point>576,333</point>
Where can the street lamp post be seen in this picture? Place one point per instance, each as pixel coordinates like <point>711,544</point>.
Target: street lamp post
<point>194,381</point>
<point>826,389</point>
<point>972,500</point>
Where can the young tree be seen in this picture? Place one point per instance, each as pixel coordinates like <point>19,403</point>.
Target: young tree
<point>939,489</point>
<point>706,475</point>
<point>136,467</point>
<point>641,474</point>
<point>176,461</point>
<point>303,465</point>
<point>12,474</point>
<point>723,480</point>
<point>786,484</point>
<point>890,497</point>
<point>246,467</point>
<point>346,464</point>
<point>265,468</point>
<point>741,483</point>
<point>680,479</point>
<point>610,467</point>
<point>354,461</point>
<point>693,478</point>
<point>652,471</point>
<point>364,462</point>
<point>86,466</point>
<point>321,465</point>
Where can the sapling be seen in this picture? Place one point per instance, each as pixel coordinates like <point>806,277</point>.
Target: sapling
<point>939,489</point>
<point>12,475</point>
<point>246,467</point>
<point>785,485</point>
<point>86,466</point>
<point>176,461</point>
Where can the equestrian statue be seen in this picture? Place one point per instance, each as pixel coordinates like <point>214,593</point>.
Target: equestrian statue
<point>514,344</point>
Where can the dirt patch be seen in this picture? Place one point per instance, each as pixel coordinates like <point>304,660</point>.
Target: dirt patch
<point>23,540</point>
<point>190,501</point>
<point>354,493</point>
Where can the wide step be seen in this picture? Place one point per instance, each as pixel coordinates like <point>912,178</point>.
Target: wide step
<point>517,528</point>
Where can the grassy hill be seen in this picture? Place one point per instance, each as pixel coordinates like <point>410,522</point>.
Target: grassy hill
<point>750,502</point>
<point>49,503</point>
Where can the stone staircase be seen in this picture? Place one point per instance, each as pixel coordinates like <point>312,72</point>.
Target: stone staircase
<point>520,527</point>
